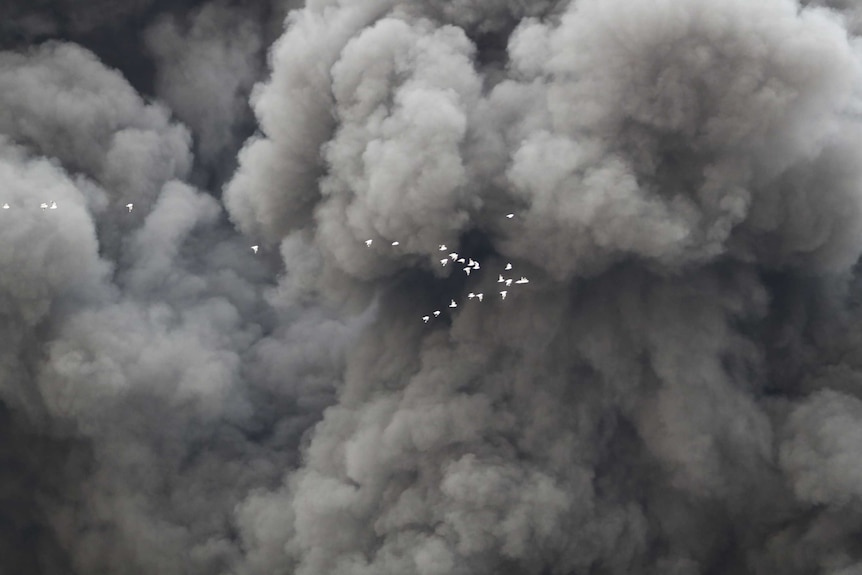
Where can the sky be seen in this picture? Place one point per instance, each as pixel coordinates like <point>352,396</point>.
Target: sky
<point>677,390</point>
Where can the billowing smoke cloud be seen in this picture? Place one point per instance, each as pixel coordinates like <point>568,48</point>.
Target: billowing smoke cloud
<point>675,391</point>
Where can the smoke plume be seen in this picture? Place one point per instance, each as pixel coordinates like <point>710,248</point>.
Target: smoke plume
<point>677,389</point>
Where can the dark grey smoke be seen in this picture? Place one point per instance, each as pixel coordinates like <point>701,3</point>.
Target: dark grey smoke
<point>677,390</point>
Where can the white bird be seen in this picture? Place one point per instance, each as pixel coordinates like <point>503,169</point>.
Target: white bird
<point>5,206</point>
<point>437,313</point>
<point>500,280</point>
<point>471,295</point>
<point>368,243</point>
<point>510,216</point>
<point>523,280</point>
<point>476,266</point>
<point>395,243</point>
<point>53,205</point>
<point>43,205</point>
<point>471,262</point>
<point>462,260</point>
<point>254,248</point>
<point>453,255</point>
<point>443,247</point>
<point>444,262</point>
<point>425,318</point>
<point>508,282</point>
<point>467,270</point>
<point>130,206</point>
<point>503,293</point>
<point>453,304</point>
<point>508,266</point>
<point>478,295</point>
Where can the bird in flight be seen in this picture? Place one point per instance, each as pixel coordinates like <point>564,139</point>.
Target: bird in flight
<point>467,270</point>
<point>500,280</point>
<point>508,282</point>
<point>130,206</point>
<point>425,318</point>
<point>503,293</point>
<point>53,206</point>
<point>443,262</point>
<point>523,280</point>
<point>43,205</point>
<point>395,243</point>
<point>254,248</point>
<point>510,216</point>
<point>443,247</point>
<point>437,313</point>
<point>453,304</point>
<point>5,206</point>
<point>368,243</point>
<point>508,266</point>
<point>453,255</point>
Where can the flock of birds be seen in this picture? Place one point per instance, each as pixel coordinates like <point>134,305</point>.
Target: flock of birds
<point>53,206</point>
<point>469,265</point>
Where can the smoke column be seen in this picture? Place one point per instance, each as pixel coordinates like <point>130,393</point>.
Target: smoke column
<point>678,390</point>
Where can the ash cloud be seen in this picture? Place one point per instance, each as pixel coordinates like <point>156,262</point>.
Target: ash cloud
<point>675,391</point>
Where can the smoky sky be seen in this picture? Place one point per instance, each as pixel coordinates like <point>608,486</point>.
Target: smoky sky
<point>678,389</point>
